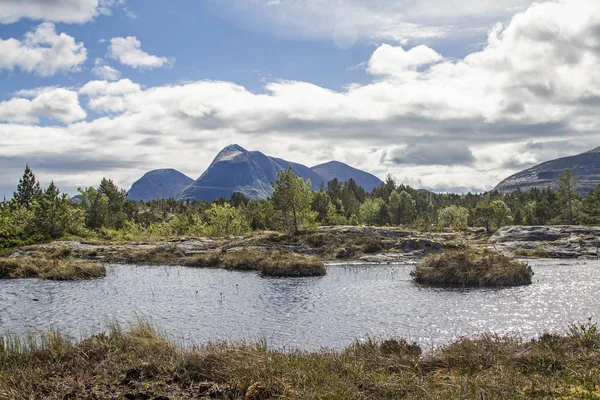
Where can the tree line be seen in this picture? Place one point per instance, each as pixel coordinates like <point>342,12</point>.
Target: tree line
<point>36,215</point>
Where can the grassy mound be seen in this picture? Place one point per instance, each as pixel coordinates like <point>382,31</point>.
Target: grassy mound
<point>268,262</point>
<point>52,269</point>
<point>140,364</point>
<point>472,268</point>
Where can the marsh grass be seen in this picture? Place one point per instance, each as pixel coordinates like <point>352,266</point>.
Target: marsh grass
<point>472,268</point>
<point>59,269</point>
<point>140,363</point>
<point>267,262</point>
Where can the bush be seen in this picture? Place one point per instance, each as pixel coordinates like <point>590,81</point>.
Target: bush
<point>472,268</point>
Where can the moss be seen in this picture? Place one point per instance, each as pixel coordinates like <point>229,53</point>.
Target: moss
<point>51,269</point>
<point>472,268</point>
<point>538,252</point>
<point>139,363</point>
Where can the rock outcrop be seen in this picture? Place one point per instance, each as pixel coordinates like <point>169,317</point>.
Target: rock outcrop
<point>564,241</point>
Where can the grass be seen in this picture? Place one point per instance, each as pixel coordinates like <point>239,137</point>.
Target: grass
<point>538,252</point>
<point>472,268</point>
<point>139,363</point>
<point>50,268</point>
<point>268,262</point>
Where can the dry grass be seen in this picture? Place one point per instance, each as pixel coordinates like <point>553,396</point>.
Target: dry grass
<point>140,364</point>
<point>472,268</point>
<point>52,269</point>
<point>268,262</point>
<point>538,252</point>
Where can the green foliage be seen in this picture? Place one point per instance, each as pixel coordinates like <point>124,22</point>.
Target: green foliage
<point>52,216</point>
<point>453,217</point>
<point>28,189</point>
<point>292,199</point>
<point>569,198</point>
<point>403,208</point>
<point>370,211</point>
<point>226,220</point>
<point>591,207</point>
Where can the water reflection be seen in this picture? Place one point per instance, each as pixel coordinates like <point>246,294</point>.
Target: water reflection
<point>351,302</point>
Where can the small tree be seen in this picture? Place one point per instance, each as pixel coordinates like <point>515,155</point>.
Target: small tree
<point>567,189</point>
<point>28,189</point>
<point>369,211</point>
<point>501,214</point>
<point>403,207</point>
<point>52,213</point>
<point>453,216</point>
<point>226,220</point>
<point>292,198</point>
<point>591,207</point>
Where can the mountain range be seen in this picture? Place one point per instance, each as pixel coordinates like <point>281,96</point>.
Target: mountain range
<point>586,167</point>
<point>236,169</point>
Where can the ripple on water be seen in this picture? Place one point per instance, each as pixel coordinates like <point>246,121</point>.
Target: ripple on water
<point>350,303</point>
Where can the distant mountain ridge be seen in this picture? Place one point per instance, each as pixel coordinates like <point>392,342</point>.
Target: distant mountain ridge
<point>250,173</point>
<point>586,167</point>
<point>166,182</point>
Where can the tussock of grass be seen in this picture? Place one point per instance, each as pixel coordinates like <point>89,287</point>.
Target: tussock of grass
<point>52,269</point>
<point>268,262</point>
<point>139,363</point>
<point>472,268</point>
<point>538,252</point>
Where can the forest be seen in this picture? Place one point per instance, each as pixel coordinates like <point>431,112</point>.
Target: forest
<point>36,215</point>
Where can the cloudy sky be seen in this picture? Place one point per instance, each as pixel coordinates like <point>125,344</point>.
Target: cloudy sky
<point>446,95</point>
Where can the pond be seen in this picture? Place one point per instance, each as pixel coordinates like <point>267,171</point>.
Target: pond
<point>352,302</point>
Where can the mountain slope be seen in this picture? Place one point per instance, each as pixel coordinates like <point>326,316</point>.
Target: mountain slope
<point>586,167</point>
<point>343,172</point>
<point>172,182</point>
<point>250,173</point>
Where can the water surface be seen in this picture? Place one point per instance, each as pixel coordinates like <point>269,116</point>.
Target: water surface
<point>351,302</point>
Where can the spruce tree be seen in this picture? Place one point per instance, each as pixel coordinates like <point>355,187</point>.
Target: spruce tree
<point>28,189</point>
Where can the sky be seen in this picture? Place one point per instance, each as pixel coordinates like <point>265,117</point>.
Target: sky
<point>445,95</point>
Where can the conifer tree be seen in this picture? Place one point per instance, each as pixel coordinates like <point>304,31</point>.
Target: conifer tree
<point>28,189</point>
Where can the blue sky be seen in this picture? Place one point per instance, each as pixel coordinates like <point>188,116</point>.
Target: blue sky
<point>449,96</point>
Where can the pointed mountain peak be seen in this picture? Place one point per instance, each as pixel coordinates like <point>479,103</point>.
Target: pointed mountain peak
<point>230,153</point>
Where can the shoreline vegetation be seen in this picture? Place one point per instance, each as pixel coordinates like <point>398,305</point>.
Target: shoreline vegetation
<point>141,364</point>
<point>472,268</point>
<point>50,269</point>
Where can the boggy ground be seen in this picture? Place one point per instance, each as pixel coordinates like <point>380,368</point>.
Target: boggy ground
<point>140,364</point>
<point>326,244</point>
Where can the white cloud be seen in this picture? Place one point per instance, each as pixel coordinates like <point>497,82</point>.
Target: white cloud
<point>43,52</point>
<point>375,20</point>
<point>389,60</point>
<point>103,70</point>
<point>69,11</point>
<point>53,103</point>
<point>128,52</point>
<point>534,86</point>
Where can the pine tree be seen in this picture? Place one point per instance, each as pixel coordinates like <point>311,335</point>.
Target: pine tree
<point>52,214</point>
<point>28,189</point>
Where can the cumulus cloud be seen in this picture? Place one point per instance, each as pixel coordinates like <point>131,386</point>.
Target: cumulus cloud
<point>105,96</point>
<point>103,70</point>
<point>431,121</point>
<point>128,51</point>
<point>69,11</point>
<point>42,51</point>
<point>57,104</point>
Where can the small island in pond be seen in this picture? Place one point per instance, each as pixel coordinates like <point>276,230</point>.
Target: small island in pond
<point>472,268</point>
